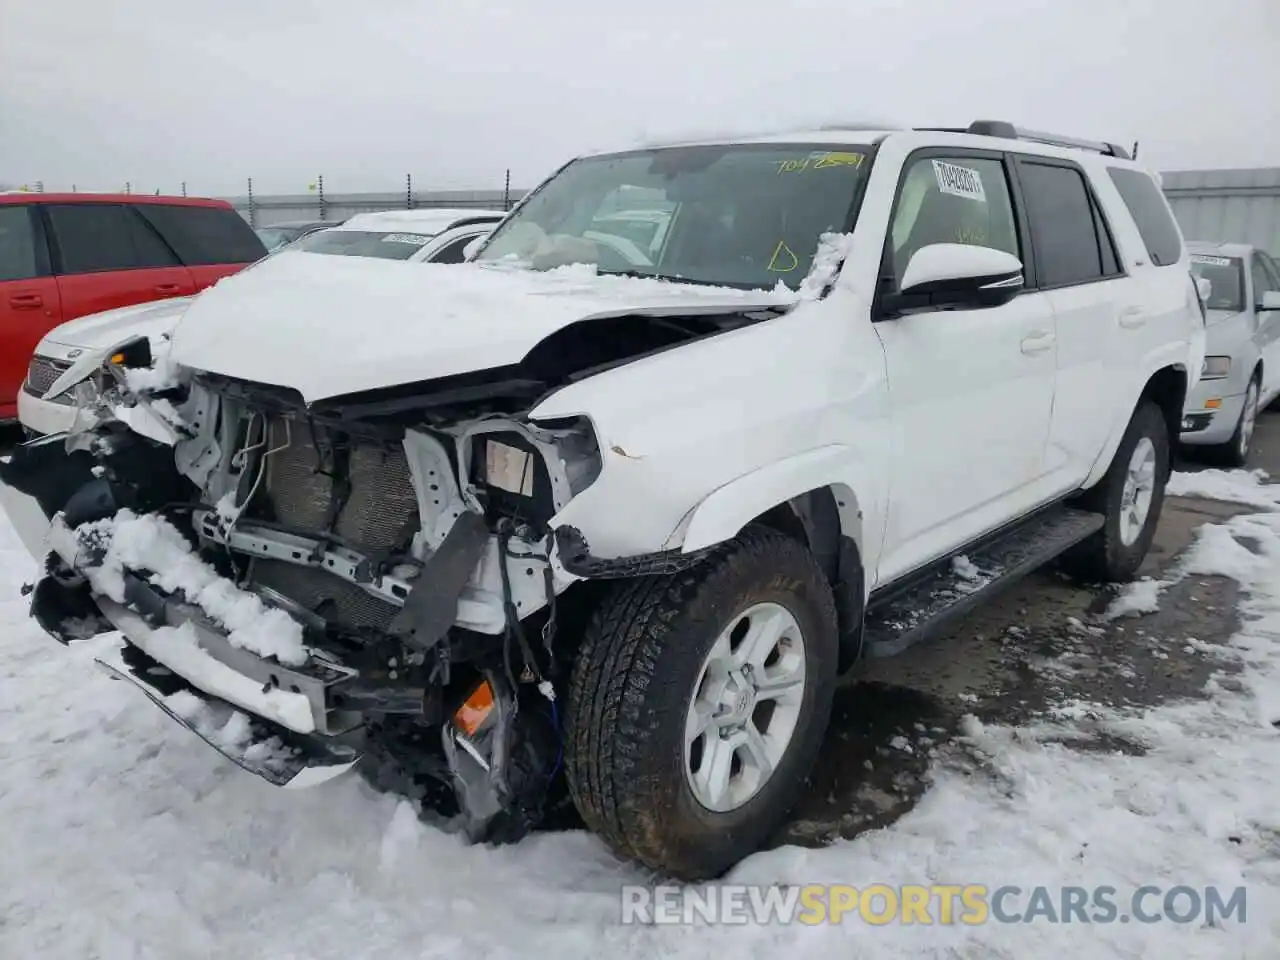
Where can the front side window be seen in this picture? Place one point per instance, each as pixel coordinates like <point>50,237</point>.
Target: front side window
<point>1262,282</point>
<point>363,243</point>
<point>1226,280</point>
<point>745,215</point>
<point>952,200</point>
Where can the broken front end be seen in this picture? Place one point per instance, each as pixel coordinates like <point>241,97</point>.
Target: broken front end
<point>308,588</point>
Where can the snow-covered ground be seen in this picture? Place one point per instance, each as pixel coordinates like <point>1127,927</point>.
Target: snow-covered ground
<point>122,836</point>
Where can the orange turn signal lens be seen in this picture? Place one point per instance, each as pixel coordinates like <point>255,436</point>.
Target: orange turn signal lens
<point>1213,404</point>
<point>472,714</point>
<point>117,358</point>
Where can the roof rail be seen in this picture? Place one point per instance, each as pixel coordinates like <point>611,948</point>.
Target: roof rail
<point>1007,131</point>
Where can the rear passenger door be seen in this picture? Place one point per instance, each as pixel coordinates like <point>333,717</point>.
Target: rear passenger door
<point>1078,269</point>
<point>29,305</point>
<point>213,242</point>
<point>106,256</point>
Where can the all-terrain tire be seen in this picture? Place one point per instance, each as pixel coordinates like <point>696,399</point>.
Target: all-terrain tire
<point>1105,557</point>
<point>632,685</point>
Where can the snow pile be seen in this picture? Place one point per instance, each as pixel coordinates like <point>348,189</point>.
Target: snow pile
<point>1141,596</point>
<point>153,544</point>
<point>1248,487</point>
<point>124,837</point>
<point>230,730</point>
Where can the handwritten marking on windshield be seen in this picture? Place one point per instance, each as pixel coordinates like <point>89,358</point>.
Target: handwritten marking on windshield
<point>782,254</point>
<point>819,161</point>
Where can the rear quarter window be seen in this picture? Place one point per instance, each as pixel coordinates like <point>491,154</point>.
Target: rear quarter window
<point>1150,211</point>
<point>205,235</point>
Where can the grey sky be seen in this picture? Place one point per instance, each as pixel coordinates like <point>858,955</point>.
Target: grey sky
<point>159,91</point>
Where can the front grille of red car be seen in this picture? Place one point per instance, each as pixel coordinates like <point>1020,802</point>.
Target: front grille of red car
<point>41,375</point>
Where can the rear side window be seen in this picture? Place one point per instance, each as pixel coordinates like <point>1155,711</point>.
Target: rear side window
<point>1071,242</point>
<point>91,237</point>
<point>205,235</point>
<point>18,259</point>
<point>1150,211</point>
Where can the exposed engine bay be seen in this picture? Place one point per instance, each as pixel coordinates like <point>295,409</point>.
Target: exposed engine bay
<point>407,537</point>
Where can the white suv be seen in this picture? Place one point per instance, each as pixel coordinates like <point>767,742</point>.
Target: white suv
<point>599,520</point>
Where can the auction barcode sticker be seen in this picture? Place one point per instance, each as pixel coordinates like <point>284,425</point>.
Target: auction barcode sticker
<point>1212,261</point>
<point>959,181</point>
<point>415,238</point>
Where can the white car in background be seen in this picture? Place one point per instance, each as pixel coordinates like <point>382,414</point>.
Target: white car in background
<point>437,235</point>
<point>1241,373</point>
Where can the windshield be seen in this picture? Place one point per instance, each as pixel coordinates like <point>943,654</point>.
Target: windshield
<point>1226,281</point>
<point>363,243</point>
<point>747,215</point>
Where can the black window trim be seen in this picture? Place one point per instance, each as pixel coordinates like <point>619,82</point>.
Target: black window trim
<point>39,238</point>
<point>55,250</point>
<point>885,279</point>
<point>1099,219</point>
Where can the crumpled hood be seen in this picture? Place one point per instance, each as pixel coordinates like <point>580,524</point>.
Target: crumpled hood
<point>330,325</point>
<point>108,328</point>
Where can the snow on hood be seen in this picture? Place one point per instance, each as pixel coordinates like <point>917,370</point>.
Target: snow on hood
<point>108,328</point>
<point>327,326</point>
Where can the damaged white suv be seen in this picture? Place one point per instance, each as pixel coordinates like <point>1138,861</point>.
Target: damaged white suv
<point>598,518</point>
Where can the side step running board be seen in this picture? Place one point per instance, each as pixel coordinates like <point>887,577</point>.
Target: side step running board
<point>922,608</point>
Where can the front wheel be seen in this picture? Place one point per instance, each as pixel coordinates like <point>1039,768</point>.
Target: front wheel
<point>698,704</point>
<point>1235,452</point>
<point>1130,497</point>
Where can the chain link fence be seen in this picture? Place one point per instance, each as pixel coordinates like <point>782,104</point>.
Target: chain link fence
<point>317,205</point>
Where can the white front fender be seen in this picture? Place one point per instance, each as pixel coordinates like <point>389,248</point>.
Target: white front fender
<point>729,508</point>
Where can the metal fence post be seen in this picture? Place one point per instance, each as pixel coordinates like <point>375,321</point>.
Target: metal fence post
<point>408,191</point>
<point>320,189</point>
<point>253,212</point>
<point>506,192</point>
<point>184,188</point>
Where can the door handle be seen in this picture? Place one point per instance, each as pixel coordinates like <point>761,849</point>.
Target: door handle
<point>1037,342</point>
<point>1132,317</point>
<point>26,301</point>
<point>167,288</point>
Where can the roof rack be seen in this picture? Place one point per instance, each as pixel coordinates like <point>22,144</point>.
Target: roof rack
<point>1007,131</point>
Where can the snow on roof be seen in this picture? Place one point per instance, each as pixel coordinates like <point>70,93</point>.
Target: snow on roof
<point>427,220</point>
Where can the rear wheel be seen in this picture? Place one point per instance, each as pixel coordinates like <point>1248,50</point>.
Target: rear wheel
<point>698,704</point>
<point>1130,497</point>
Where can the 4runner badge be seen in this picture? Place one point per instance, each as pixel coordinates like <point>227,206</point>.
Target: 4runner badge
<point>72,354</point>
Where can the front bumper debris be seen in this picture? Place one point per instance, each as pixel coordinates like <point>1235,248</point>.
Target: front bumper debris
<point>278,755</point>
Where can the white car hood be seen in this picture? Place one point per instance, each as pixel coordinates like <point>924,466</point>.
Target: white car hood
<point>108,328</point>
<point>329,325</point>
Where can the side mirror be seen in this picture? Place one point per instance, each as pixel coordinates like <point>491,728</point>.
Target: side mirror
<point>959,275</point>
<point>471,249</point>
<point>1270,301</point>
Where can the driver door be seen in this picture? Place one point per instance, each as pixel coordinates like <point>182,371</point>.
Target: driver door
<point>971,390</point>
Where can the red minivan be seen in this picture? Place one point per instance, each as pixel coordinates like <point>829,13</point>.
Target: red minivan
<point>67,255</point>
